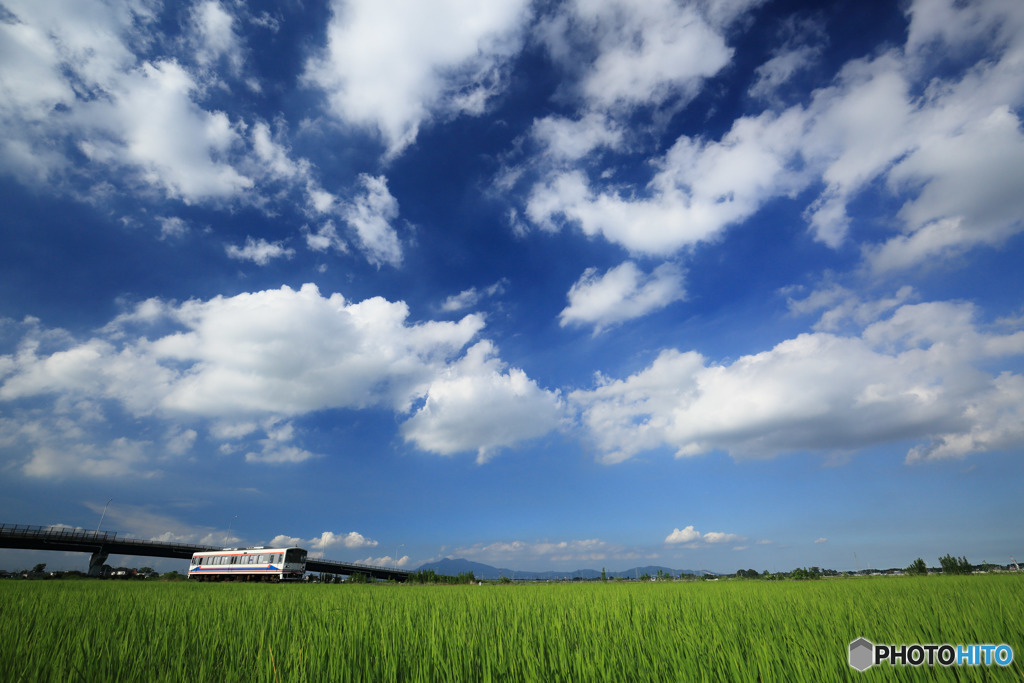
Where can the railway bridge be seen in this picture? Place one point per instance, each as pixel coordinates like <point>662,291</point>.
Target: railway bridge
<point>101,544</point>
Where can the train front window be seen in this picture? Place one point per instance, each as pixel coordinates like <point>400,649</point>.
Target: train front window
<point>294,555</point>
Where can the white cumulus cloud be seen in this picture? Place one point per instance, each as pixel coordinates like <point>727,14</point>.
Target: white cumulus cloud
<point>478,404</point>
<point>685,535</point>
<point>393,65</point>
<point>917,373</point>
<point>267,356</point>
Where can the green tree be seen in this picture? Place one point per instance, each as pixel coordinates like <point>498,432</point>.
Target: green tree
<point>917,568</point>
<point>604,577</point>
<point>803,573</point>
<point>955,565</point>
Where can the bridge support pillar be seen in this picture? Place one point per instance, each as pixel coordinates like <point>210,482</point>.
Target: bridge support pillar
<point>96,563</point>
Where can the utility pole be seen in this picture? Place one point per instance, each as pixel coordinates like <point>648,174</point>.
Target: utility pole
<point>227,537</point>
<point>103,515</point>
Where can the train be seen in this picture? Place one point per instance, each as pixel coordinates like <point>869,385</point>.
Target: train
<point>248,564</point>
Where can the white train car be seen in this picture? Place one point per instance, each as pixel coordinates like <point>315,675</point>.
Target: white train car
<point>248,564</point>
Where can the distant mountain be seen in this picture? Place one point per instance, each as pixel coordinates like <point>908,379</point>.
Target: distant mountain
<point>454,567</point>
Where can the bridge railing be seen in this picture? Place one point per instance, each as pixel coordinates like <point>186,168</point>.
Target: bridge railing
<point>349,565</point>
<point>62,532</point>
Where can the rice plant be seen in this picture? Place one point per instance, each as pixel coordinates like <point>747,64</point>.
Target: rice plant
<point>711,631</point>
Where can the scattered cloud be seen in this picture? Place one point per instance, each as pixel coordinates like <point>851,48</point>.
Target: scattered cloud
<point>319,546</point>
<point>470,298</point>
<point>821,540</point>
<point>370,215</point>
<point>951,157</point>
<point>325,238</point>
<point>260,251</point>
<point>719,537</point>
<point>692,538</point>
<point>621,294</point>
<point>215,36</point>
<point>172,227</point>
<point>582,550</point>
<point>643,54</point>
<point>385,561</point>
<point>778,70</point>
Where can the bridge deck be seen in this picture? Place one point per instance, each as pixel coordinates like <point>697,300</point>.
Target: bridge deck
<point>110,543</point>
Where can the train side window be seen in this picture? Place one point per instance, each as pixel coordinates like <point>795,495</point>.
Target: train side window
<point>234,558</point>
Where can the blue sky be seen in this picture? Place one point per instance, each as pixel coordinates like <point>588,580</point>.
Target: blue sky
<point>544,285</point>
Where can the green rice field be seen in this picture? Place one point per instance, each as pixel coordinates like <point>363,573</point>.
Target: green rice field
<point>685,631</point>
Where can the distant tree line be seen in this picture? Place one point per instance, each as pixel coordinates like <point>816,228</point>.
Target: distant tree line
<point>949,564</point>
<point>38,571</point>
<point>800,574</point>
<point>425,576</point>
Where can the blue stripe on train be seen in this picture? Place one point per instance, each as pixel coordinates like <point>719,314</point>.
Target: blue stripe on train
<point>245,568</point>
